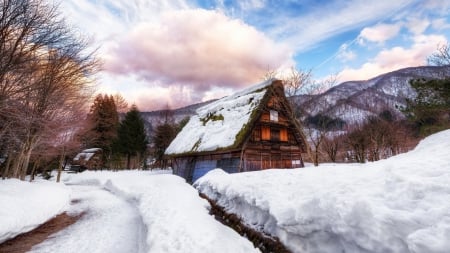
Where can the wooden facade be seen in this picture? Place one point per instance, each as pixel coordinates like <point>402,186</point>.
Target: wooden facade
<point>272,139</point>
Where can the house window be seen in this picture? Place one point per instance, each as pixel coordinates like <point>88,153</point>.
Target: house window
<point>283,134</point>
<point>273,116</point>
<point>265,133</point>
<point>275,134</point>
<point>256,134</point>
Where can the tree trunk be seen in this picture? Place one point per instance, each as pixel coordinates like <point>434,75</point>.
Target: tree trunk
<point>128,161</point>
<point>17,164</point>
<point>26,162</point>
<point>33,171</point>
<point>316,157</point>
<point>7,166</point>
<point>61,161</point>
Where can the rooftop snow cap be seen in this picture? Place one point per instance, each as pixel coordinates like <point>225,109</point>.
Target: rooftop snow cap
<point>218,124</point>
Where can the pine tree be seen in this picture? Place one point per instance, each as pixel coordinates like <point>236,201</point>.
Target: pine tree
<point>132,139</point>
<point>103,121</point>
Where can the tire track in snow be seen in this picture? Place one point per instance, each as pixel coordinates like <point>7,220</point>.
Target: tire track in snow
<point>110,224</point>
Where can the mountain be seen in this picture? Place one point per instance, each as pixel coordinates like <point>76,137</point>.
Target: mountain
<point>350,101</point>
<point>153,118</point>
<point>353,101</point>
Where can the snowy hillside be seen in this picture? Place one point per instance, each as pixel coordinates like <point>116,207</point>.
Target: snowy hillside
<point>355,100</point>
<point>401,204</point>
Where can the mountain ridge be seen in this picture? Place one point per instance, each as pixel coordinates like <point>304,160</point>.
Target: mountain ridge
<point>351,101</point>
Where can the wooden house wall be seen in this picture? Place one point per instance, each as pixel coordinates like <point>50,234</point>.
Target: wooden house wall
<point>272,143</point>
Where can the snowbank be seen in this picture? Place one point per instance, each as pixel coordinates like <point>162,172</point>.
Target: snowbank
<point>176,218</point>
<point>24,206</point>
<point>401,204</point>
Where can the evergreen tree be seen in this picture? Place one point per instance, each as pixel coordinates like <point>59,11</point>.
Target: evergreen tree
<point>132,139</point>
<point>103,121</point>
<point>430,110</point>
<point>163,136</point>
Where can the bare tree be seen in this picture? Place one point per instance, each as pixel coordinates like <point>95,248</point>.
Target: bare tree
<point>357,143</point>
<point>295,82</point>
<point>44,73</point>
<point>330,146</point>
<point>441,57</point>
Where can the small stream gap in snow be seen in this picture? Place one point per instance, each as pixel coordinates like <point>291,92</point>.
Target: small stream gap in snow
<point>265,243</point>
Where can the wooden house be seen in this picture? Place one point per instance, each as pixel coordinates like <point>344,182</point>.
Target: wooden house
<point>88,159</point>
<point>251,130</point>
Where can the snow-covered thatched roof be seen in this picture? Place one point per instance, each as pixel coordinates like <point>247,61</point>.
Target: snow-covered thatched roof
<point>87,154</point>
<point>221,124</point>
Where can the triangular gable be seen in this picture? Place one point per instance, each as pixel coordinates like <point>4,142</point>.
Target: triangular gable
<point>221,124</point>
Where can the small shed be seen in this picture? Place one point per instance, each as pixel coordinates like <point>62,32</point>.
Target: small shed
<point>253,129</point>
<point>88,159</point>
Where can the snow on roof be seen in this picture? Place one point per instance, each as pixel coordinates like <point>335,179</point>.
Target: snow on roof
<point>86,154</point>
<point>217,124</point>
<point>91,150</point>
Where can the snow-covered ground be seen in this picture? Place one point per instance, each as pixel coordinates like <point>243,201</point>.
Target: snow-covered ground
<point>401,204</point>
<point>24,206</point>
<point>109,224</point>
<point>176,218</point>
<point>127,211</point>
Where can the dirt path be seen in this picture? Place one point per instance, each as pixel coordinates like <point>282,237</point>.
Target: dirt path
<point>24,242</point>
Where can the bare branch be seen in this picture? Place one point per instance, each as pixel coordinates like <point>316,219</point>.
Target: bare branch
<point>441,57</point>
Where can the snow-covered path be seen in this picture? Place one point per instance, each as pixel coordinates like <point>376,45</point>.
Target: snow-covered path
<point>109,224</point>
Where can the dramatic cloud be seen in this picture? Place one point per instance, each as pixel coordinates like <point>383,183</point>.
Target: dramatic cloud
<point>167,52</point>
<point>379,33</point>
<point>395,58</point>
<point>199,48</point>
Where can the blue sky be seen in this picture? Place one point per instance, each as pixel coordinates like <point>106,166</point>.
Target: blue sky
<point>160,53</point>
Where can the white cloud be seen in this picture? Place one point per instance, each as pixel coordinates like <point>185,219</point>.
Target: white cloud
<point>417,25</point>
<point>252,4</point>
<point>440,24</point>
<point>331,19</point>
<point>345,54</point>
<point>163,50</point>
<point>199,48</point>
<point>395,58</point>
<point>379,33</point>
